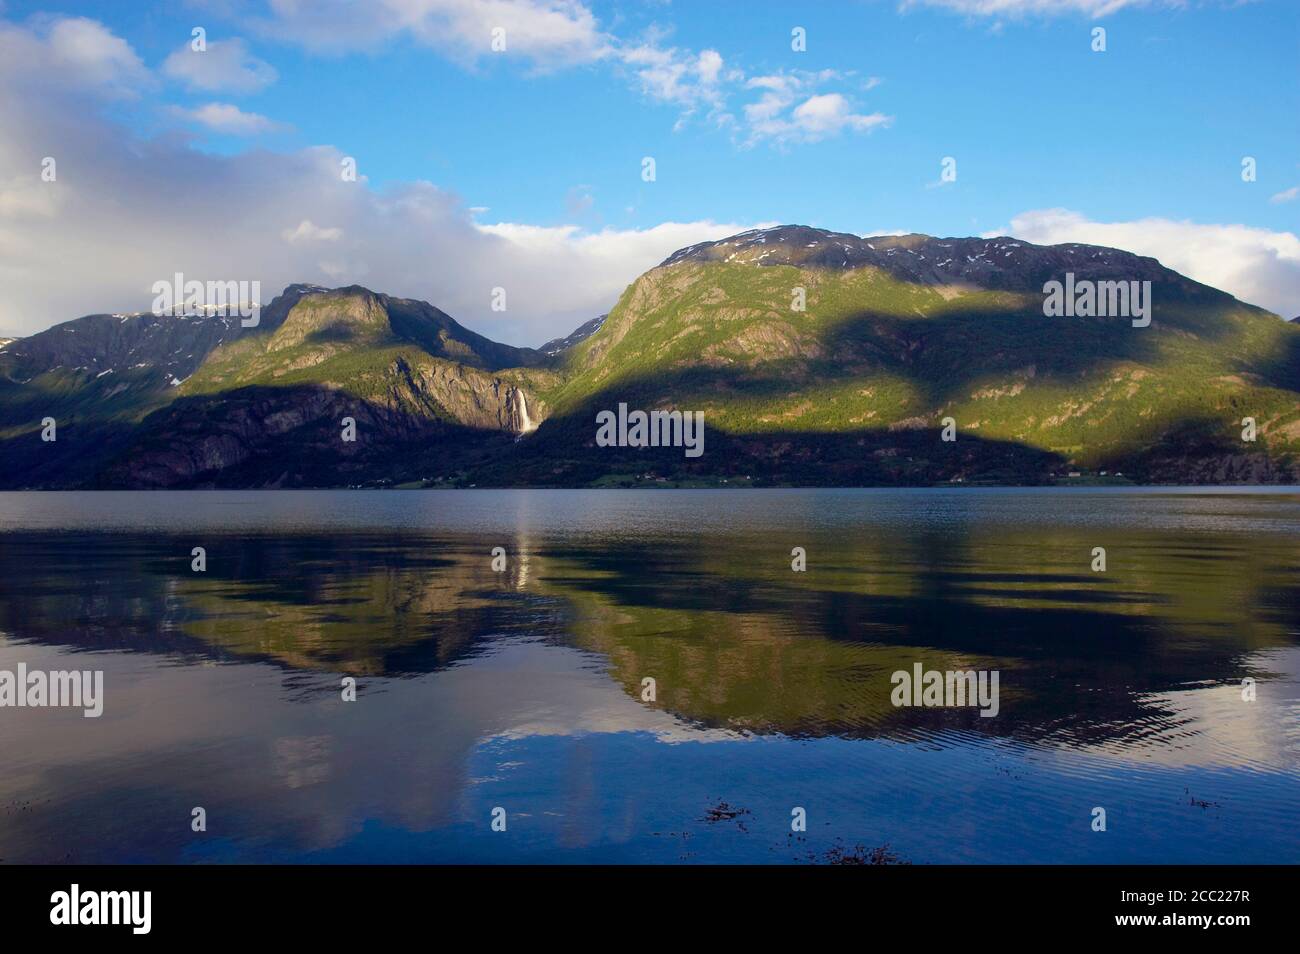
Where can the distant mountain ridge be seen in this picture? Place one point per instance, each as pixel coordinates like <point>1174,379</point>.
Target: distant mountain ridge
<point>816,358</point>
<point>576,337</point>
<point>995,263</point>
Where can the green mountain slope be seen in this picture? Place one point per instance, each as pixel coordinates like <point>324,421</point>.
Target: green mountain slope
<point>896,337</point>
<point>266,406</point>
<point>270,409</point>
<point>815,358</point>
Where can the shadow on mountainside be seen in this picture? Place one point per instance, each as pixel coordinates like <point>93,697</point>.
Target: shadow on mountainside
<point>288,437</point>
<point>1283,369</point>
<point>68,462</point>
<point>563,452</point>
<point>1199,449</point>
<point>943,357</point>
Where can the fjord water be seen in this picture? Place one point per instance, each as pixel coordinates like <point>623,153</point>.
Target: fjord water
<point>523,689</point>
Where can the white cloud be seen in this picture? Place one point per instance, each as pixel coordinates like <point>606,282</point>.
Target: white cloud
<point>1287,195</point>
<point>774,115</point>
<point>146,209</point>
<point>680,77</point>
<point>554,34</point>
<point>1256,265</point>
<point>308,231</point>
<point>1018,8</point>
<point>828,114</point>
<point>227,119</point>
<point>709,66</point>
<point>225,66</point>
<point>575,273</point>
<point>70,54</point>
<point>547,33</point>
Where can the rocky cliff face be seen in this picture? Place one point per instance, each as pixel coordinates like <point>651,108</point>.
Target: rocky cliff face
<point>429,416</point>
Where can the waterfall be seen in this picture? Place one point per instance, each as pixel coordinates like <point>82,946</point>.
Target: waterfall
<point>521,408</point>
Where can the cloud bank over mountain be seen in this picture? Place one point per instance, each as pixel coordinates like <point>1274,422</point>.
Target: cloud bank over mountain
<point>1256,265</point>
<point>134,204</point>
<point>124,212</point>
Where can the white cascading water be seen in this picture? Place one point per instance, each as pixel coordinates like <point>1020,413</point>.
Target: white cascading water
<point>521,406</point>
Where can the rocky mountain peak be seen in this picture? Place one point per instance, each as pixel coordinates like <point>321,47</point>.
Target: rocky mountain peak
<point>577,336</point>
<point>999,262</point>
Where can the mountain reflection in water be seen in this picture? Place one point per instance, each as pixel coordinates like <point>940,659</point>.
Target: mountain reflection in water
<point>772,688</point>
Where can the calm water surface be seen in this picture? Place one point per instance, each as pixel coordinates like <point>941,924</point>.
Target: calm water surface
<point>523,689</point>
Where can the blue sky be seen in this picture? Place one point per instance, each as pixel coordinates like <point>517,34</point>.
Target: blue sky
<point>1051,140</point>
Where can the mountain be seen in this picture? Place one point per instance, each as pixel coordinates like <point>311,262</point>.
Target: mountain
<point>579,335</point>
<point>143,401</point>
<point>99,375</point>
<point>900,332</point>
<point>816,358</point>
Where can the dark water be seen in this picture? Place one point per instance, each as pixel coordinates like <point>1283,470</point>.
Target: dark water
<point>523,689</point>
